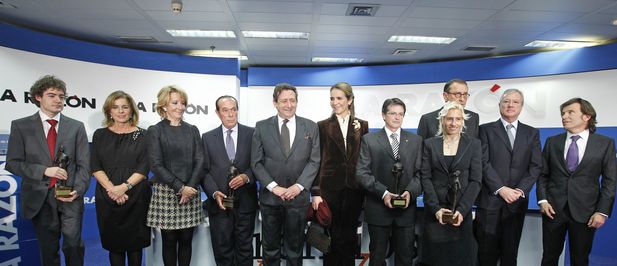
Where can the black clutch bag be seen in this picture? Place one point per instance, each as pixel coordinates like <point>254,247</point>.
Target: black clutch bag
<point>318,237</point>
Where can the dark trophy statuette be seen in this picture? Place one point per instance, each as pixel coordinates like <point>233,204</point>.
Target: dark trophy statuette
<point>62,189</point>
<point>448,217</point>
<point>397,170</point>
<point>229,201</point>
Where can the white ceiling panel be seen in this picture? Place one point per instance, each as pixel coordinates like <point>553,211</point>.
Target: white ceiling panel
<point>383,11</point>
<point>274,43</point>
<point>480,4</point>
<point>346,29</point>
<point>195,25</point>
<point>440,23</point>
<point>365,44</point>
<point>165,5</point>
<point>189,16</point>
<point>270,7</point>
<point>518,25</point>
<point>560,5</point>
<point>537,16</point>
<point>451,13</point>
<point>272,18</point>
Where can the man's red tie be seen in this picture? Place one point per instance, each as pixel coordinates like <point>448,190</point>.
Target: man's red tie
<point>51,144</point>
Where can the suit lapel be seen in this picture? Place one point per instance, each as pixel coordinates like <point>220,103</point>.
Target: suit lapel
<point>276,133</point>
<point>240,149</point>
<point>220,142</point>
<point>336,134</point>
<point>463,146</point>
<point>385,142</point>
<point>439,149</point>
<point>561,142</point>
<point>300,134</point>
<point>503,135</point>
<point>63,126</point>
<point>353,138</point>
<point>40,138</point>
<point>591,146</point>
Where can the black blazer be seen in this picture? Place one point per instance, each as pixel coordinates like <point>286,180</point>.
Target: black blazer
<point>436,174</point>
<point>216,168</point>
<point>583,189</point>
<point>517,167</point>
<point>374,174</point>
<point>175,154</point>
<point>337,169</point>
<point>429,125</point>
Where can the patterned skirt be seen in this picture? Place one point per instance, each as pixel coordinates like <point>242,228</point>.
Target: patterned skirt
<point>166,212</point>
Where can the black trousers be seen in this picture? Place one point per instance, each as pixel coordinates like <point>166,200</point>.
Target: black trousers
<point>580,238</point>
<point>345,208</point>
<point>498,233</point>
<point>60,218</point>
<point>231,233</point>
<point>402,239</point>
<point>287,223</point>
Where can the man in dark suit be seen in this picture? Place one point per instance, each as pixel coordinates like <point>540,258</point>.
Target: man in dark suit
<point>231,230</point>
<point>455,90</point>
<point>572,197</point>
<point>34,142</point>
<point>285,159</point>
<point>379,152</point>
<point>512,162</point>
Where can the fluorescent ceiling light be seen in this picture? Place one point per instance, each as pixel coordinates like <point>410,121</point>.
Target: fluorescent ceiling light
<point>276,35</point>
<point>337,60</point>
<point>560,44</point>
<point>203,33</point>
<point>219,53</point>
<point>421,39</point>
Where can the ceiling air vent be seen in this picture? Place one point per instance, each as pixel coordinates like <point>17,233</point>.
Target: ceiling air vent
<point>363,10</point>
<point>7,5</point>
<point>404,51</point>
<point>138,39</point>
<point>478,48</point>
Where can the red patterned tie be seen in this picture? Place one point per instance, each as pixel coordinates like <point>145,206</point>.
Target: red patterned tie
<point>51,144</point>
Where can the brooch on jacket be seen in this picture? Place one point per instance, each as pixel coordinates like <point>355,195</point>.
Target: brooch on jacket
<point>307,136</point>
<point>356,124</point>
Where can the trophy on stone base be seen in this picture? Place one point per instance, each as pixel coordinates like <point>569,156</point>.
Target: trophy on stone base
<point>397,170</point>
<point>448,217</point>
<point>62,189</point>
<point>233,171</point>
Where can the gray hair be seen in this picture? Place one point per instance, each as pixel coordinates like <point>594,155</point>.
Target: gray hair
<point>510,91</point>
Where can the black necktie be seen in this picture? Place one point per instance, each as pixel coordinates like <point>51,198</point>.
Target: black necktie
<point>285,137</point>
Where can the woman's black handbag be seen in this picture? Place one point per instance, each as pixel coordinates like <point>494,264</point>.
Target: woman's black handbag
<point>318,237</point>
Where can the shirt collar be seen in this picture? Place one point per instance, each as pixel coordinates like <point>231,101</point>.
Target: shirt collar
<point>388,132</point>
<point>44,117</point>
<point>342,119</point>
<point>292,120</point>
<point>235,129</point>
<point>505,123</point>
<point>584,134</point>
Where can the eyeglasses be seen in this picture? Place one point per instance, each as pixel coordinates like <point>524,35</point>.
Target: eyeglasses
<point>395,114</point>
<point>459,94</point>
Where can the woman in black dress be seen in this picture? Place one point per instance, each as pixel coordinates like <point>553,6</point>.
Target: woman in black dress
<point>450,160</point>
<point>120,166</point>
<point>340,138</point>
<point>176,157</point>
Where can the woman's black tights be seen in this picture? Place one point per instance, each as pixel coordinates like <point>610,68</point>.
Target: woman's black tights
<point>177,246</point>
<point>119,258</point>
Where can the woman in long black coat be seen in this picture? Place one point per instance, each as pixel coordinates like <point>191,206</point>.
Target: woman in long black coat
<point>450,160</point>
<point>340,137</point>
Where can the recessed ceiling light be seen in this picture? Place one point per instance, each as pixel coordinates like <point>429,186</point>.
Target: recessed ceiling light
<point>276,35</point>
<point>421,39</point>
<point>560,44</point>
<point>337,60</point>
<point>203,33</point>
<point>404,51</point>
<point>615,22</point>
<point>218,53</point>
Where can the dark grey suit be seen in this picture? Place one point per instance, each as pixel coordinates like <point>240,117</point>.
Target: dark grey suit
<point>28,156</point>
<point>374,174</point>
<point>429,125</point>
<point>498,225</point>
<point>270,164</point>
<point>575,196</point>
<point>231,231</point>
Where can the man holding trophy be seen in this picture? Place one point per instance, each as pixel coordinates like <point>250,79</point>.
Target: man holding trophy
<point>388,168</point>
<point>50,152</point>
<point>230,186</point>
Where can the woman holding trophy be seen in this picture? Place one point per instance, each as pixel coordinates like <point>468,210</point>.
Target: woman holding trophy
<point>451,179</point>
<point>120,166</point>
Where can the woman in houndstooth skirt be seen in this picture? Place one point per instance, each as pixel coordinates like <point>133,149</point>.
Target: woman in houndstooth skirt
<point>176,159</point>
